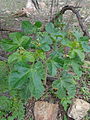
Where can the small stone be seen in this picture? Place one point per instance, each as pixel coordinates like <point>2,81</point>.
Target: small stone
<point>16,19</point>
<point>8,12</point>
<point>42,5</point>
<point>78,109</point>
<point>45,111</point>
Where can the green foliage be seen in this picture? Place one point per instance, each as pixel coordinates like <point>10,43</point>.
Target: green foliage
<point>29,28</point>
<point>27,79</point>
<point>52,67</point>
<point>50,28</point>
<point>36,54</point>
<point>3,76</point>
<point>16,40</point>
<point>65,89</point>
<point>12,107</point>
<point>21,55</point>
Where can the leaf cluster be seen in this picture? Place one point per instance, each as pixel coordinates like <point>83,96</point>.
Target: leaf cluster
<point>35,55</point>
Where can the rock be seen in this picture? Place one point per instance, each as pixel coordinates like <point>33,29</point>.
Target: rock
<point>78,109</point>
<point>42,5</point>
<point>45,111</point>
<point>30,5</point>
<point>8,12</point>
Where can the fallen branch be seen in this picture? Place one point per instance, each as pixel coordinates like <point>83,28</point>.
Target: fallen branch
<point>10,30</point>
<point>76,12</point>
<point>63,10</point>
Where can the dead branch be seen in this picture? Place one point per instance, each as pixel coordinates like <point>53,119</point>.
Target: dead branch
<point>77,3</point>
<point>10,30</point>
<point>76,12</point>
<point>63,10</point>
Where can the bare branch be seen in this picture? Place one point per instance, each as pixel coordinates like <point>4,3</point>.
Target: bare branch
<point>76,12</point>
